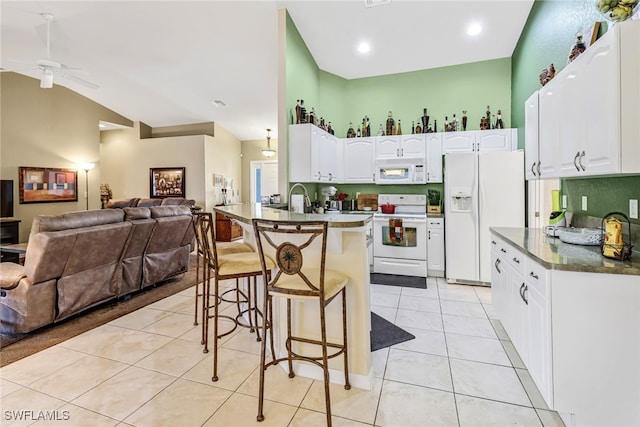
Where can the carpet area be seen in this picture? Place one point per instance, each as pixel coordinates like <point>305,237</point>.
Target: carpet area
<point>398,280</point>
<point>17,346</point>
<point>385,334</point>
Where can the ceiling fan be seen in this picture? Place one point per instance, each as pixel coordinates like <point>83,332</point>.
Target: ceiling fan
<point>51,68</point>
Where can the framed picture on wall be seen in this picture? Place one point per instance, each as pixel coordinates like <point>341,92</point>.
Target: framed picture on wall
<point>43,185</point>
<point>166,182</point>
<point>218,180</point>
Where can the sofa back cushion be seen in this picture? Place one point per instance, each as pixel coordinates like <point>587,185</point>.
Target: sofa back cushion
<point>147,203</point>
<point>53,238</point>
<point>122,203</point>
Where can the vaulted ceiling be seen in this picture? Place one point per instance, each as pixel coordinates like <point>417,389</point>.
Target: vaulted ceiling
<point>164,62</point>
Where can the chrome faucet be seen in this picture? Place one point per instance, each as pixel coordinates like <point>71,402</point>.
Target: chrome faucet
<point>307,202</point>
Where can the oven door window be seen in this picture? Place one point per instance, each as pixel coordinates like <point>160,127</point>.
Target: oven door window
<point>397,235</point>
<point>395,173</point>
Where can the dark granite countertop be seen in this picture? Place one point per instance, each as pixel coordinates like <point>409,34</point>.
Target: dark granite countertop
<point>246,212</point>
<point>554,254</point>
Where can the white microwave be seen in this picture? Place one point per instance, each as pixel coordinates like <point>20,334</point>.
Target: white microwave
<point>400,173</point>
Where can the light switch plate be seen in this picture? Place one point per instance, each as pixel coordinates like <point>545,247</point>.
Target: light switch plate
<point>584,203</point>
<point>633,208</point>
<point>564,201</point>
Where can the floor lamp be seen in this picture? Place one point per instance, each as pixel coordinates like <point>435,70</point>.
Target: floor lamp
<point>87,167</point>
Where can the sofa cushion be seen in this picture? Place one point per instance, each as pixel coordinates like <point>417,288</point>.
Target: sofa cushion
<point>172,201</point>
<point>165,211</point>
<point>147,203</point>
<point>131,214</point>
<point>122,203</point>
<point>72,220</point>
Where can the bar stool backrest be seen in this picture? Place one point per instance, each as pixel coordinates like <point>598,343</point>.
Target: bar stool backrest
<point>289,243</point>
<point>208,236</point>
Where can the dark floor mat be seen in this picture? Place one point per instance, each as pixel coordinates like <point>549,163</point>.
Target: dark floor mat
<point>398,280</point>
<point>385,334</point>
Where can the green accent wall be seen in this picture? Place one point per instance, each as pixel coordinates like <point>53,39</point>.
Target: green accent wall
<point>547,38</point>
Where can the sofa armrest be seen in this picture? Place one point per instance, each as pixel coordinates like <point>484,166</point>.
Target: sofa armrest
<point>10,275</point>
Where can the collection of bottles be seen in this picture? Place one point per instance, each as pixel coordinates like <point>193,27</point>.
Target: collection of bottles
<point>489,121</point>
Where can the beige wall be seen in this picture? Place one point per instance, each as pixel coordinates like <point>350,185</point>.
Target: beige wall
<point>222,154</point>
<point>252,150</point>
<point>59,128</point>
<point>49,128</point>
<point>126,160</point>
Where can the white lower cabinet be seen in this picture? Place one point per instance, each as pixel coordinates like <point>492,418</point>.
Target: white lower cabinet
<point>435,247</point>
<point>520,299</point>
<point>578,335</point>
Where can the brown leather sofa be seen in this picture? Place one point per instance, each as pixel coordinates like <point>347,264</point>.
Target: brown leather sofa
<point>147,203</point>
<point>77,260</point>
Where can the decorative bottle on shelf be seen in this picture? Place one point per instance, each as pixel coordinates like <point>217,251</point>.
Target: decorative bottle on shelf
<point>413,127</point>
<point>456,123</point>
<point>364,127</point>
<point>298,112</point>
<point>499,123</point>
<point>367,126</point>
<point>425,120</point>
<point>390,124</point>
<point>303,112</point>
<point>350,132</point>
<point>312,116</point>
<point>380,130</point>
<point>358,133</point>
<point>399,129</point>
<point>418,127</point>
<point>446,124</point>
<point>330,128</point>
<point>464,119</point>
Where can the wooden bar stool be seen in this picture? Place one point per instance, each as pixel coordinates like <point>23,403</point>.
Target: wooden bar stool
<point>223,248</point>
<point>229,266</point>
<point>294,242</point>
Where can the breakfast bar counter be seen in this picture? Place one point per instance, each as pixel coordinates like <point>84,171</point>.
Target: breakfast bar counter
<point>346,253</point>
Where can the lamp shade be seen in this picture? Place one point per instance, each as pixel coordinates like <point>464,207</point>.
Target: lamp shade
<point>268,152</point>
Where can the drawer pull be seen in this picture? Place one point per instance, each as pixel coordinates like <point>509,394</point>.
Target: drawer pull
<point>497,264</point>
<point>516,260</point>
<point>493,242</point>
<point>503,251</point>
<point>535,276</point>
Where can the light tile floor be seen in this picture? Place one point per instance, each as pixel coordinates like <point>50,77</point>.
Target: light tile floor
<point>148,369</point>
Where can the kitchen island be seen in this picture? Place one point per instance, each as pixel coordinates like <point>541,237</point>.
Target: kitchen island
<point>347,253</point>
<point>574,318</point>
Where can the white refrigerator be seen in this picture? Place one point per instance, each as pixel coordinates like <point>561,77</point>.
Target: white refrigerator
<point>482,190</point>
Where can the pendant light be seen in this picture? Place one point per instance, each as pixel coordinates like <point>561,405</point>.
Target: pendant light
<point>268,152</point>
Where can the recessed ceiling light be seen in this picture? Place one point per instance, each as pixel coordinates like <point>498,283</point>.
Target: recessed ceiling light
<point>218,103</point>
<point>474,29</point>
<point>364,47</point>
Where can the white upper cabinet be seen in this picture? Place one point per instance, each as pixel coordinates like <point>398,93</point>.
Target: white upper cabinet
<point>434,157</point>
<point>387,147</point>
<point>314,155</point>
<point>480,140</point>
<point>496,139</point>
<point>458,141</point>
<point>531,157</point>
<point>359,160</point>
<point>588,114</point>
<point>395,147</point>
<point>413,146</point>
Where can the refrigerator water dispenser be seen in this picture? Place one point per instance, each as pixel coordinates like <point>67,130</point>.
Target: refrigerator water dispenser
<point>461,200</point>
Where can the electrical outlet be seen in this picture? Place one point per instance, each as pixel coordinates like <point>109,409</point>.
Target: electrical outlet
<point>584,203</point>
<point>633,208</point>
<point>564,201</point>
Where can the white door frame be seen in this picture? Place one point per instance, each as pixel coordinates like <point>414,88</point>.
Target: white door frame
<point>256,164</point>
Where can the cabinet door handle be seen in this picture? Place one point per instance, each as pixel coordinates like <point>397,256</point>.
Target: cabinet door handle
<point>516,260</point>
<point>575,161</point>
<point>524,288</point>
<point>535,276</point>
<point>493,242</point>
<point>429,234</point>
<point>538,167</point>
<point>580,160</point>
<point>330,176</point>
<point>503,251</point>
<point>533,165</point>
<point>397,152</point>
<point>497,264</point>
<point>402,152</point>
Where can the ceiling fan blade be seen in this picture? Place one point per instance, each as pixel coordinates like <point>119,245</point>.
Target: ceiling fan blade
<point>76,79</point>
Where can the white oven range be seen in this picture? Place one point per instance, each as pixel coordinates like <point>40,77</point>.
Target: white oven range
<point>400,239</point>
